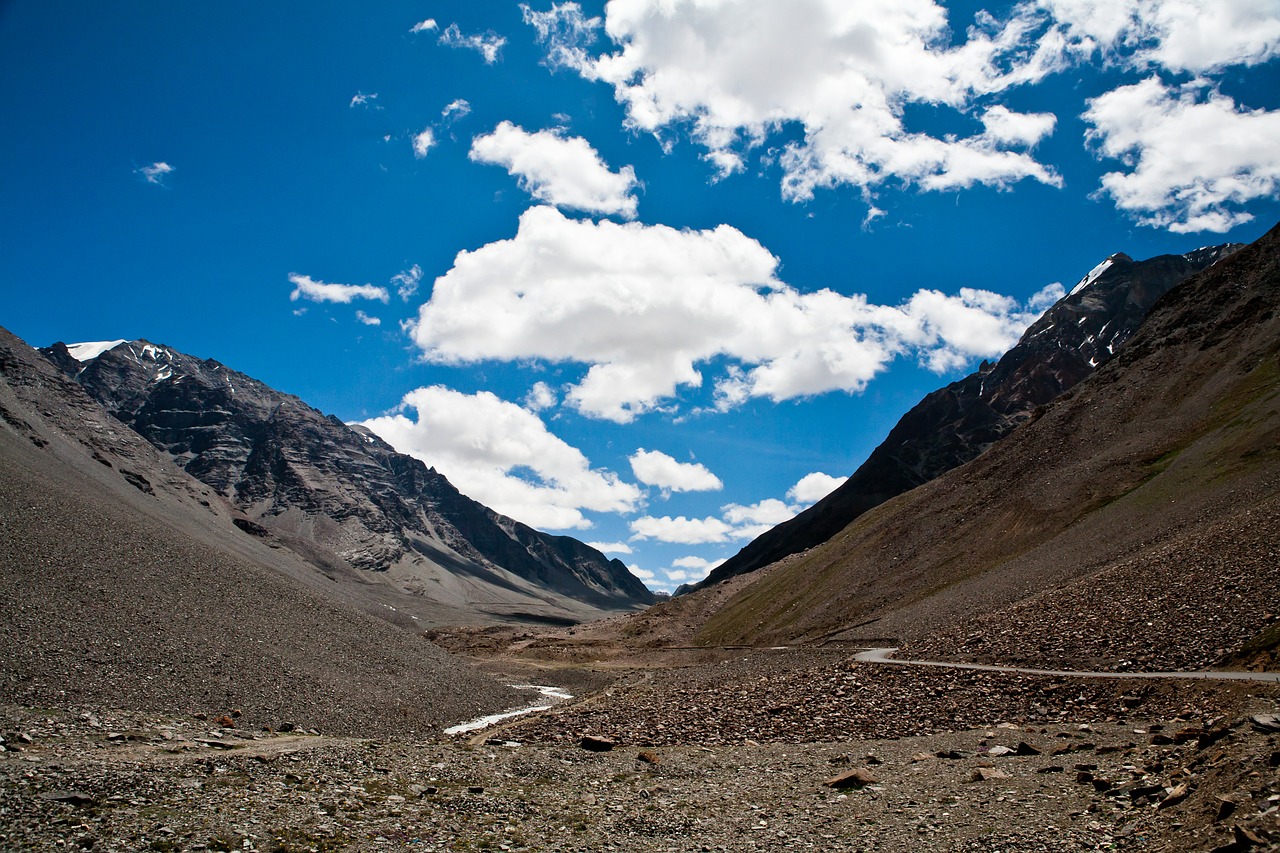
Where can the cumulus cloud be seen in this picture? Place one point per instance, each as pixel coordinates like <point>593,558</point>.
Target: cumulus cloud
<point>841,73</point>
<point>648,308</point>
<point>644,574</point>
<point>505,457</point>
<point>613,548</point>
<point>655,468</point>
<point>488,45</point>
<point>686,531</point>
<point>1193,157</point>
<point>540,397</point>
<point>155,173</point>
<point>305,287</point>
<point>1180,35</point>
<point>812,488</point>
<point>368,320</point>
<point>737,522</point>
<point>406,281</point>
<point>424,26</point>
<point>363,99</point>
<point>422,142</point>
<point>559,170</point>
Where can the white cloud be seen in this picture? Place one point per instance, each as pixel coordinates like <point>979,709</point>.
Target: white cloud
<point>812,488</point>
<point>1180,35</point>
<point>841,73</point>
<point>687,531</point>
<point>643,574</point>
<point>1193,157</point>
<point>540,397</point>
<point>655,468</point>
<point>308,288</point>
<point>487,44</point>
<point>770,511</point>
<point>406,281</point>
<point>362,99</point>
<point>422,142</point>
<point>456,110</point>
<point>614,548</point>
<point>503,456</point>
<point>368,320</point>
<point>559,170</point>
<point>1017,128</point>
<point>566,32</point>
<point>155,173</point>
<point>689,570</point>
<point>424,26</point>
<point>647,306</point>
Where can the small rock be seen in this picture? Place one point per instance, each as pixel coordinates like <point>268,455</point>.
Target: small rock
<point>855,778</point>
<point>987,774</point>
<point>475,789</point>
<point>1025,748</point>
<point>1175,796</point>
<point>1266,723</point>
<point>1226,808</point>
<point>79,799</point>
<point>649,757</point>
<point>597,744</point>
<point>1000,750</point>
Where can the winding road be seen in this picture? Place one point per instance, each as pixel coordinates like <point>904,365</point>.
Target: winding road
<point>885,655</point>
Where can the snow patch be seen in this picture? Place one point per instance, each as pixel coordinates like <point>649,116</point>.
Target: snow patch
<point>90,350</point>
<point>1092,276</point>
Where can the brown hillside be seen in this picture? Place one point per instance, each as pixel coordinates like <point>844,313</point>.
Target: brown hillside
<point>1158,473</point>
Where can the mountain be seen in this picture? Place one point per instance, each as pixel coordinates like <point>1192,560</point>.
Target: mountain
<point>125,583</point>
<point>955,424</point>
<point>1132,519</point>
<point>341,497</point>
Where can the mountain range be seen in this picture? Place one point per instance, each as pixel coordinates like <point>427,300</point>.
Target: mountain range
<point>1132,519</point>
<point>343,499</point>
<point>955,424</point>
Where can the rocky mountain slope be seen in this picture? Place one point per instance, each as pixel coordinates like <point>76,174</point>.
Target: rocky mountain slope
<point>955,424</point>
<point>1142,505</point>
<point>341,497</point>
<point>126,583</point>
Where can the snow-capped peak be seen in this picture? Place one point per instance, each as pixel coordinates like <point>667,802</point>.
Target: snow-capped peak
<point>1092,276</point>
<point>90,350</point>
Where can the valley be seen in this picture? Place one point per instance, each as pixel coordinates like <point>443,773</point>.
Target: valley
<point>217,636</point>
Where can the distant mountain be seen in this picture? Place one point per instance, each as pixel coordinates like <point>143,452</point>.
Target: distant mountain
<point>955,424</point>
<point>339,495</point>
<point>1132,521</point>
<point>125,583</point>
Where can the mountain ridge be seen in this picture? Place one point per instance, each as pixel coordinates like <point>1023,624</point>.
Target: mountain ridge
<point>956,423</point>
<point>1155,479</point>
<point>339,493</point>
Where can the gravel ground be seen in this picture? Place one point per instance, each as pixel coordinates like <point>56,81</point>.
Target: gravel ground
<point>715,757</point>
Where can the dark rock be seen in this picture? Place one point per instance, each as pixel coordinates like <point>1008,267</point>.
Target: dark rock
<point>595,743</point>
<point>78,799</point>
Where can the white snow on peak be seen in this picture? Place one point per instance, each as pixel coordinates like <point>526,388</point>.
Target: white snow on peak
<point>1092,276</point>
<point>154,352</point>
<point>90,350</point>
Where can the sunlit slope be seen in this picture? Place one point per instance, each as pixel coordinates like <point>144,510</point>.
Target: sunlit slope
<point>1177,434</point>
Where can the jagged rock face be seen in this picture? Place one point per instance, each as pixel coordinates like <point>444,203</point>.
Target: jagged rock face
<point>305,475</point>
<point>953,425</point>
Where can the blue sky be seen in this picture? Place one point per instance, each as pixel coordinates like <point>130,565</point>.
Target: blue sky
<point>653,274</point>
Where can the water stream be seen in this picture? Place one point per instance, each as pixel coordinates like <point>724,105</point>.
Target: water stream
<point>551,696</point>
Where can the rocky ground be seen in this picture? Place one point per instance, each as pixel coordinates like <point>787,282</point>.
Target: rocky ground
<point>745,753</point>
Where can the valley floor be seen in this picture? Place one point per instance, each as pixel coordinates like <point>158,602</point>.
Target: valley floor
<point>715,751</point>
